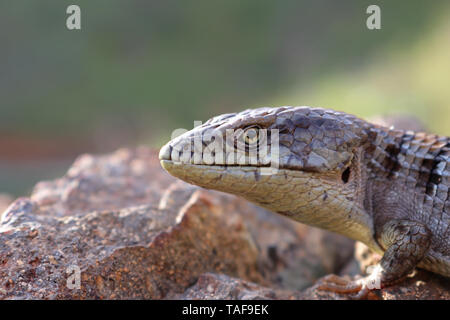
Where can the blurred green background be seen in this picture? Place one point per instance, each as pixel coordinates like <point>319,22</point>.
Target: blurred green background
<point>139,69</point>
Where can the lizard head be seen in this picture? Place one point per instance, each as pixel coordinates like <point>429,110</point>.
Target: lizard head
<point>297,161</point>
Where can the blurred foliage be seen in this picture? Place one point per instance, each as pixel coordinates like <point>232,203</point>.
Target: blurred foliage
<point>151,66</point>
<point>139,69</point>
<point>409,79</point>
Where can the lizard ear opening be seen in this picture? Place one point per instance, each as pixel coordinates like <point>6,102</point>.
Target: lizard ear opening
<point>346,175</point>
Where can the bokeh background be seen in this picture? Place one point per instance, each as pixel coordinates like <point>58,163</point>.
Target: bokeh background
<point>140,69</point>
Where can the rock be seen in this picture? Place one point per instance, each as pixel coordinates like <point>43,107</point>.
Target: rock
<point>220,286</point>
<point>419,285</point>
<point>126,178</point>
<point>118,227</point>
<point>133,231</point>
<point>136,252</point>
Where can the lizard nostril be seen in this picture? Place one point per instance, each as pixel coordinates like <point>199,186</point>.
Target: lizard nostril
<point>164,153</point>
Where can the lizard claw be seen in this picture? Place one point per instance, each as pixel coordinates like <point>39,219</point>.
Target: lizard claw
<point>355,289</point>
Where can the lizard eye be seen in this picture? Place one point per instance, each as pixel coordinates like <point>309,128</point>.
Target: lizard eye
<point>251,136</point>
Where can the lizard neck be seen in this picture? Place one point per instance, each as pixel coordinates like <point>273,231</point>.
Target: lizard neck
<point>356,225</point>
<point>407,175</point>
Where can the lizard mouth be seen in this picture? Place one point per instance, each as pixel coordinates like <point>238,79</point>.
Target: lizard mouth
<point>183,170</point>
<point>166,159</point>
<point>239,180</point>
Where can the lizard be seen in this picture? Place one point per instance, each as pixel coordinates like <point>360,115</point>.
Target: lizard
<point>384,187</point>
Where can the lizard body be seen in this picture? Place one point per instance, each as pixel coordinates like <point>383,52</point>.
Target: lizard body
<point>384,187</point>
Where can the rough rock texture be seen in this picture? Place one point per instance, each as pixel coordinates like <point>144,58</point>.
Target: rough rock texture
<point>135,232</point>
<point>220,286</point>
<point>420,285</point>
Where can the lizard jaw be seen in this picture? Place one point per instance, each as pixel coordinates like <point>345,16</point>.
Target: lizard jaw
<point>306,197</point>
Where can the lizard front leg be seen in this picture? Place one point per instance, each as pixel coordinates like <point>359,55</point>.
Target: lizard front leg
<point>406,243</point>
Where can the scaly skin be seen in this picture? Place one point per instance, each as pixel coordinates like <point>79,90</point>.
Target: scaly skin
<point>386,188</point>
